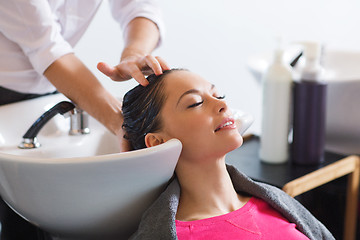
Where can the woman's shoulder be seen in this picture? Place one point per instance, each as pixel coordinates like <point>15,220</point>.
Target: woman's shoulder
<point>289,207</point>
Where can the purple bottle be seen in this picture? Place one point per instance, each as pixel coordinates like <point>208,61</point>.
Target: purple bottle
<point>309,110</point>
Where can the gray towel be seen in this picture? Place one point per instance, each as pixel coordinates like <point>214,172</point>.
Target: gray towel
<point>158,222</point>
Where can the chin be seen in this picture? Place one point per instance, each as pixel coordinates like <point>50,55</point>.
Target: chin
<point>228,146</point>
<point>235,143</point>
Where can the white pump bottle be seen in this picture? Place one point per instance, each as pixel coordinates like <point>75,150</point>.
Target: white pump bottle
<point>275,126</point>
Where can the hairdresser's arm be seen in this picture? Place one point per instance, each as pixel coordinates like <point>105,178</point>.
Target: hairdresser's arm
<point>141,37</point>
<point>72,78</point>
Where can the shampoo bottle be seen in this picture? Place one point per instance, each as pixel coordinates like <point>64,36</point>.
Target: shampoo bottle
<point>309,109</point>
<point>277,88</point>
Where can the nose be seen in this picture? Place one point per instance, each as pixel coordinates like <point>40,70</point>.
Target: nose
<point>221,105</point>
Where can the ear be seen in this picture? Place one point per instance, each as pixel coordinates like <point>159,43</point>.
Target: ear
<point>154,139</point>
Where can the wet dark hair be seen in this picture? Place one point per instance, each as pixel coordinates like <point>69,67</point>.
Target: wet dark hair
<point>141,108</point>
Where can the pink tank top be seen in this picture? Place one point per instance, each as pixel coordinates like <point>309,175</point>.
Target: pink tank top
<point>255,220</point>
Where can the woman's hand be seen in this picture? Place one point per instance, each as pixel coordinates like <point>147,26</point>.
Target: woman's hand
<point>134,66</point>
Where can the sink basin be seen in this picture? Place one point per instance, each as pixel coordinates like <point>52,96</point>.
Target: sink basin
<point>81,186</point>
<point>54,136</point>
<point>342,73</point>
<point>78,186</point>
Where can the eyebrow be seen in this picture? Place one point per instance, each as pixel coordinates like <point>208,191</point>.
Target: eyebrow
<point>192,91</point>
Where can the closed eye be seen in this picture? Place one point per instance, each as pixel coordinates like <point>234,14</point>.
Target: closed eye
<point>196,104</point>
<point>199,103</point>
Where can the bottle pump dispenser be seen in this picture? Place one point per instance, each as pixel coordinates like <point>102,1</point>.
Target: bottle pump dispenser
<point>309,109</point>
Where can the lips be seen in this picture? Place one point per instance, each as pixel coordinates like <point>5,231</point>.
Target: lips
<point>227,123</point>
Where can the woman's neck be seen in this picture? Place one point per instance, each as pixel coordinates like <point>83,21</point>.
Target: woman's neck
<point>206,190</point>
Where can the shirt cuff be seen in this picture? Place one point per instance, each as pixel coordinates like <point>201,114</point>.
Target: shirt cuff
<point>159,23</point>
<point>46,55</point>
<point>147,9</point>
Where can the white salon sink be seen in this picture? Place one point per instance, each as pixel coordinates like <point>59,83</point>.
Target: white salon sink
<point>342,73</point>
<point>78,186</point>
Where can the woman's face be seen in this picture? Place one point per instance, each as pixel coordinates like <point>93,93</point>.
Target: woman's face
<point>196,114</point>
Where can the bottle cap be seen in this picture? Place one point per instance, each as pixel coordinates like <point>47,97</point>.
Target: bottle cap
<point>312,53</point>
<point>279,51</point>
<point>312,50</point>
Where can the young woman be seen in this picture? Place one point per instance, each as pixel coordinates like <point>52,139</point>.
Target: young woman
<point>207,199</point>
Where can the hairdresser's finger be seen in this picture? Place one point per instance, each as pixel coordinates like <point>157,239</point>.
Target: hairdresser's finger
<point>136,73</point>
<point>164,65</point>
<point>106,69</point>
<point>153,64</point>
<point>115,73</point>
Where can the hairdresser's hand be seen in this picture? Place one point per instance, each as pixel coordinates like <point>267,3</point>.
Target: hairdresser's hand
<point>134,66</point>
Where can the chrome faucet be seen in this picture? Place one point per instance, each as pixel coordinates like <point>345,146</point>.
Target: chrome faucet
<point>78,123</point>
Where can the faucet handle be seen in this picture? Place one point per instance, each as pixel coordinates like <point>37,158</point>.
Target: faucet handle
<point>79,121</point>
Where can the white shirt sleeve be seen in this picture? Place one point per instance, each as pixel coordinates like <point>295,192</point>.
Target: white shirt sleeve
<point>31,24</point>
<point>123,11</point>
